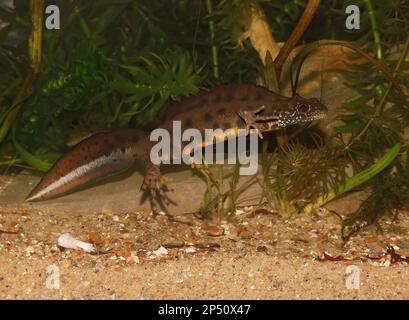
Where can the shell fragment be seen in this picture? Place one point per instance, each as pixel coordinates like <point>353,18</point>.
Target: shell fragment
<point>69,242</point>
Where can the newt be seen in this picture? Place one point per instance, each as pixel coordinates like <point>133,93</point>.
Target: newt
<point>233,106</point>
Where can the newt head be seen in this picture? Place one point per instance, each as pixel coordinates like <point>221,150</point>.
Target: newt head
<point>298,110</point>
<point>283,113</point>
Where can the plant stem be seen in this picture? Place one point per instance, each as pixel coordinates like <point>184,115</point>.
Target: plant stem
<point>272,83</point>
<point>296,34</point>
<point>10,162</point>
<point>375,29</point>
<point>83,23</point>
<point>35,40</point>
<point>377,42</point>
<point>282,138</point>
<point>215,61</point>
<point>34,48</point>
<point>270,76</point>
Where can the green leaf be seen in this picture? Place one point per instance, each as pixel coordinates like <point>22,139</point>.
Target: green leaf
<point>34,161</point>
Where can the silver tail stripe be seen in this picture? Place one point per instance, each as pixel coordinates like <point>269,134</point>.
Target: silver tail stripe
<point>78,172</point>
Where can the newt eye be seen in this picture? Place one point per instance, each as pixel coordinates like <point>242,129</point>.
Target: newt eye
<point>303,108</point>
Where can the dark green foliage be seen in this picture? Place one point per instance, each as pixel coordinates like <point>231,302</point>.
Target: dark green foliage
<point>112,64</point>
<point>66,98</point>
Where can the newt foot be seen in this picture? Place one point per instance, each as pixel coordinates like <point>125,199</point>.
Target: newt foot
<point>251,117</point>
<point>156,186</point>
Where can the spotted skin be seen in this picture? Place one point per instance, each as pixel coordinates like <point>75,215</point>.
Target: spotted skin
<point>234,106</point>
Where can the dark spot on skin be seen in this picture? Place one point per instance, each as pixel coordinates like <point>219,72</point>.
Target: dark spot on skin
<point>197,103</point>
<point>259,96</point>
<point>226,125</point>
<point>221,111</point>
<point>188,122</point>
<point>217,98</point>
<point>229,97</point>
<point>207,116</point>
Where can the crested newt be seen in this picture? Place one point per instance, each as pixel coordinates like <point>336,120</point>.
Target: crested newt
<point>233,106</point>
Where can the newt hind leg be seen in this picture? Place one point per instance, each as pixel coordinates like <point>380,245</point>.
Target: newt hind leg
<point>155,185</point>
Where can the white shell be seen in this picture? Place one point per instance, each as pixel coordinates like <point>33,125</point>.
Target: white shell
<point>67,241</point>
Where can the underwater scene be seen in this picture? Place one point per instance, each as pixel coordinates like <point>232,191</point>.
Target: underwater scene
<point>204,149</point>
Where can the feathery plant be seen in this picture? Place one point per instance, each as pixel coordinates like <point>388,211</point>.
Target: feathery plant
<point>153,82</point>
<point>375,120</point>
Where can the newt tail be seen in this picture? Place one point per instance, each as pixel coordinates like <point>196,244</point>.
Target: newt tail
<point>94,158</point>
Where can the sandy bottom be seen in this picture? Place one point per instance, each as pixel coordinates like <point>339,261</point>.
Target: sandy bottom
<point>253,255</point>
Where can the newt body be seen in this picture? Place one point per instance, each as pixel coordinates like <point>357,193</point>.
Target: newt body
<point>225,107</point>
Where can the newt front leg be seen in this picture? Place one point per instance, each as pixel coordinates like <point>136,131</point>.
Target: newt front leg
<point>251,117</point>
